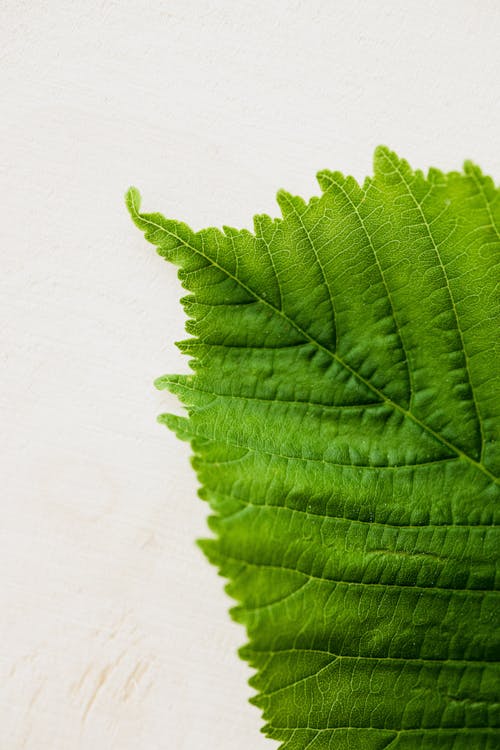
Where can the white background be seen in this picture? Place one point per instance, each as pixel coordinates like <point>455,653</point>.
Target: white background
<point>114,632</point>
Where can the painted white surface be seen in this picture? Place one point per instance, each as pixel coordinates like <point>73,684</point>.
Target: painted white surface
<point>113,629</point>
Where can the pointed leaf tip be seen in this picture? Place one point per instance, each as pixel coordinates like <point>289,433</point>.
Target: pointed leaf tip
<point>133,202</point>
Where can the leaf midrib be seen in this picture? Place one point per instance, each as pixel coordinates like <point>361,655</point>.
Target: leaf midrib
<point>461,454</point>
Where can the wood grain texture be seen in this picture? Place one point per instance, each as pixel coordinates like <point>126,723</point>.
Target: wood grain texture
<point>114,633</point>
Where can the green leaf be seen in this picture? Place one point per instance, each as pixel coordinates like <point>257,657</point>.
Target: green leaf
<point>344,419</point>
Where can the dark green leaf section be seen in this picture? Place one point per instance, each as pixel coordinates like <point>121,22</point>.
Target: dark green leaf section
<point>344,413</point>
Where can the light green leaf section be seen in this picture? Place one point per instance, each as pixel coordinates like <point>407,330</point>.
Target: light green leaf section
<point>344,414</point>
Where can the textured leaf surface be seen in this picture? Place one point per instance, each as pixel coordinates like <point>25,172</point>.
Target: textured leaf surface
<point>344,418</point>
